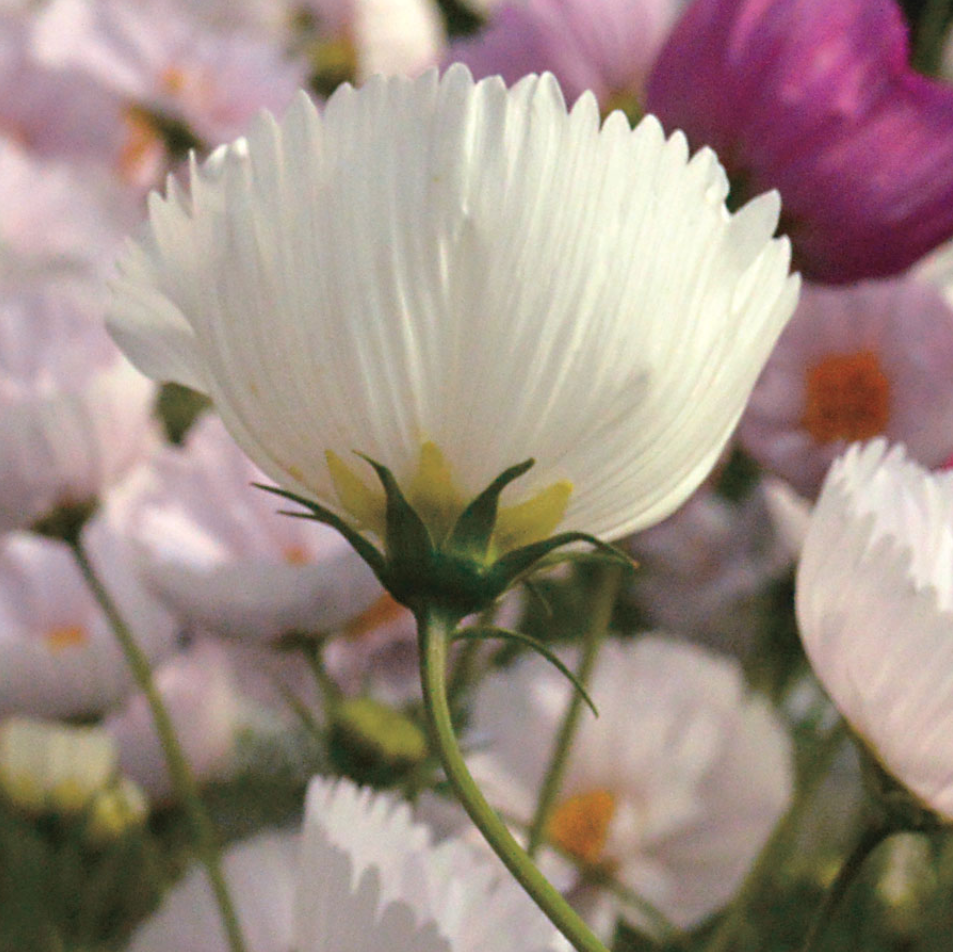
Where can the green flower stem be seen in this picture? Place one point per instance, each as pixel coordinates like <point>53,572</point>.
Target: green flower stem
<point>604,598</point>
<point>773,852</point>
<point>183,780</point>
<point>435,630</point>
<point>871,837</point>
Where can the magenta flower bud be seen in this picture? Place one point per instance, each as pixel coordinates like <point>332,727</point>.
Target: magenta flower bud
<point>819,101</point>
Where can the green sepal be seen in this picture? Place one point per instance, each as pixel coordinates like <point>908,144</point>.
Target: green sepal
<point>471,534</point>
<point>521,638</point>
<point>407,539</point>
<point>512,566</point>
<point>318,513</point>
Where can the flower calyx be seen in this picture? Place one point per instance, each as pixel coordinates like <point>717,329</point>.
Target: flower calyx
<point>458,574</point>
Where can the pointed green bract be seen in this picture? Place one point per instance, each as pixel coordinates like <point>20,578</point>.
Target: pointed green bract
<point>317,512</point>
<point>521,638</point>
<point>471,534</point>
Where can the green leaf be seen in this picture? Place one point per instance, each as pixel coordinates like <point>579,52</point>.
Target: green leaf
<point>408,540</point>
<point>512,566</point>
<point>318,513</point>
<point>519,637</point>
<point>471,534</point>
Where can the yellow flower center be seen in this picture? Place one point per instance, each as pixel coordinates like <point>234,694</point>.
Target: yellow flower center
<point>626,102</point>
<point>848,398</point>
<point>434,495</point>
<point>64,637</point>
<point>580,824</point>
<point>382,612</point>
<point>140,144</point>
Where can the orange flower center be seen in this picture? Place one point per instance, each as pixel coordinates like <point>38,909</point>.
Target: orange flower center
<point>296,555</point>
<point>579,825</point>
<point>382,612</point>
<point>848,398</point>
<point>141,143</point>
<point>66,636</point>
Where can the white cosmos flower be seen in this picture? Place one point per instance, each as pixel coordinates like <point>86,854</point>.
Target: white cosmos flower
<point>366,877</point>
<point>673,790</point>
<point>875,608</point>
<point>451,277</point>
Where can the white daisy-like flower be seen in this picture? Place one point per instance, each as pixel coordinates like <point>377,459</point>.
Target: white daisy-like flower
<point>672,791</point>
<point>874,604</point>
<point>366,878</point>
<point>451,277</point>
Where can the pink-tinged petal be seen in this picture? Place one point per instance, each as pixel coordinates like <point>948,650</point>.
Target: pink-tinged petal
<point>607,46</point>
<point>58,654</point>
<point>75,416</point>
<point>818,100</point>
<point>213,546</point>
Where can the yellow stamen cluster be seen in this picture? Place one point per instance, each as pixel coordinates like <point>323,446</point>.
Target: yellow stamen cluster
<point>434,495</point>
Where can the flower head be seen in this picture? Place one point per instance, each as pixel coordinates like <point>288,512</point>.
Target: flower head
<point>366,877</point>
<point>453,277</point>
<point>854,363</point>
<point>874,604</point>
<point>675,809</point>
<point>819,101</point>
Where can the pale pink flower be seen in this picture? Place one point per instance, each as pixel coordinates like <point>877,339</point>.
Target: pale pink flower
<point>155,54</point>
<point>608,46</point>
<point>855,363</point>
<point>58,655</point>
<point>874,601</point>
<point>56,220</point>
<point>199,692</point>
<point>215,548</point>
<point>674,788</point>
<point>75,416</point>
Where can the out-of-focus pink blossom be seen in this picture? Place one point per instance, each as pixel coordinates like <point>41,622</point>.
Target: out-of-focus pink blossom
<point>701,569</point>
<point>58,654</point>
<point>855,363</point>
<point>56,221</point>
<point>75,416</point>
<point>818,100</point>
<point>607,46</point>
<point>198,690</point>
<point>55,113</point>
<point>157,56</point>
<point>216,549</point>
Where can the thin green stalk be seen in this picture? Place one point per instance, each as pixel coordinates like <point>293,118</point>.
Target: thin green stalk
<point>183,780</point>
<point>435,630</point>
<point>771,855</point>
<point>604,598</point>
<point>461,676</point>
<point>871,837</point>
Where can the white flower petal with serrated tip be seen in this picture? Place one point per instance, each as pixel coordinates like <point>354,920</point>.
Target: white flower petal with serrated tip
<point>449,261</point>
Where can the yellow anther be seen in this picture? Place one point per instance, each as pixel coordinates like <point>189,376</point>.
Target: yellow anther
<point>433,494</point>
<point>366,506</point>
<point>534,519</point>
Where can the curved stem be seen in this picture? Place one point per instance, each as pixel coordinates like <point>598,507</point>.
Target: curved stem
<point>183,780</point>
<point>607,588</point>
<point>773,851</point>
<point>870,839</point>
<point>435,629</point>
